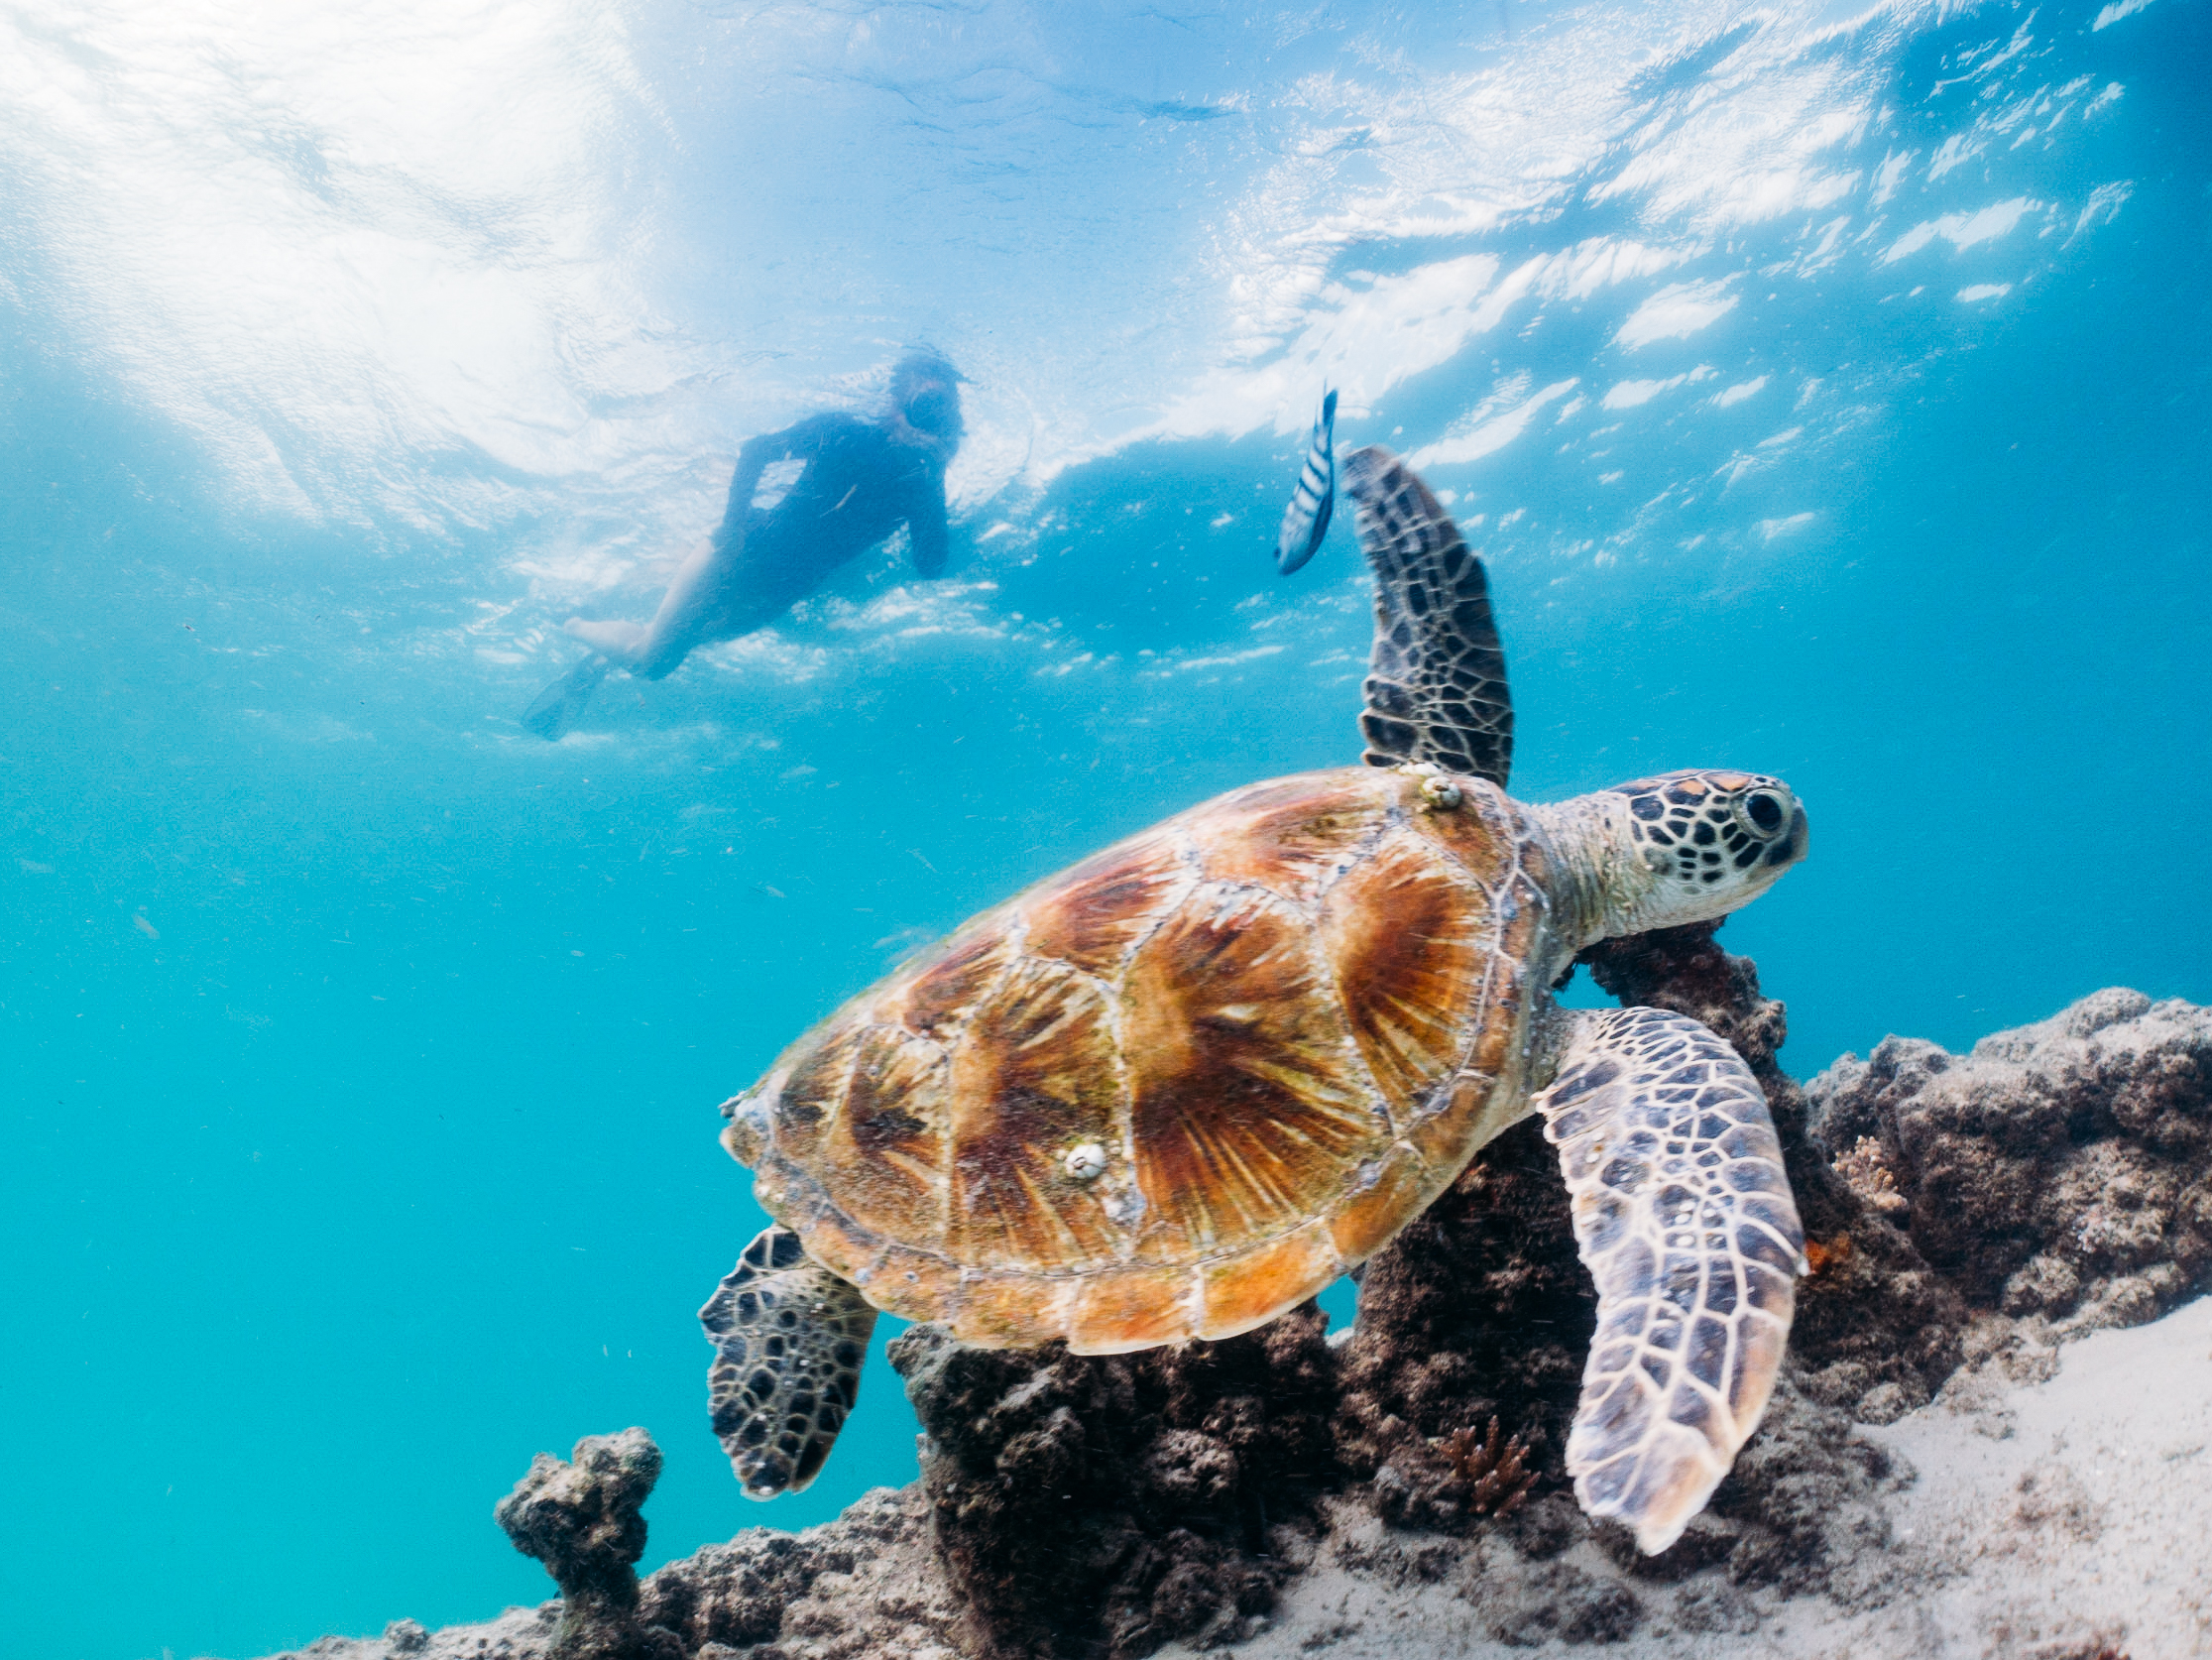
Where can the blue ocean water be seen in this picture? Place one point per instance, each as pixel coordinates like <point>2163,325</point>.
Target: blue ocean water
<point>1828,386</point>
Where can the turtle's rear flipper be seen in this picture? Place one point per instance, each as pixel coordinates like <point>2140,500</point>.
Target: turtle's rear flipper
<point>1684,1218</point>
<point>556,709</point>
<point>790,1338</point>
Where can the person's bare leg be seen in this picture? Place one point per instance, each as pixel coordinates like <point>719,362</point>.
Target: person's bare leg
<point>654,649</point>
<point>619,641</point>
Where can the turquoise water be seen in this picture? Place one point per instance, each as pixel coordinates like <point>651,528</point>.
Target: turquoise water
<point>1830,388</point>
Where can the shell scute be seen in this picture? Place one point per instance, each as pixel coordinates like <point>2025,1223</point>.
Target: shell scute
<point>1036,1074</point>
<point>1007,1310</point>
<point>1120,1309</point>
<point>1411,941</point>
<point>1400,1185</point>
<point>1484,835</point>
<point>1291,838</point>
<point>939,994</point>
<point>1092,917</point>
<point>1243,1114</point>
<point>813,1092</point>
<point>889,1137</point>
<point>1256,1285</point>
<point>1470,1114</point>
<point>912,1284</point>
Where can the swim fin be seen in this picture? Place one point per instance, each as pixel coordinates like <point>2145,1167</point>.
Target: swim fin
<point>556,709</point>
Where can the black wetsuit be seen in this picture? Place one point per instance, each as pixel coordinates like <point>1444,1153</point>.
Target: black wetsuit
<point>858,485</point>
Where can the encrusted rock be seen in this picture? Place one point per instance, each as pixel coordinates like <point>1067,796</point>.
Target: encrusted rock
<point>862,1586</point>
<point>1481,1309</point>
<point>2059,1169</point>
<point>581,1520</point>
<point>1108,1505</point>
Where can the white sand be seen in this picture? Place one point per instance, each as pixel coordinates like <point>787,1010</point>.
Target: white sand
<point>2049,1522</point>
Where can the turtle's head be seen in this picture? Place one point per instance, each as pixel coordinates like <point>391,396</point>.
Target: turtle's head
<point>1687,847</point>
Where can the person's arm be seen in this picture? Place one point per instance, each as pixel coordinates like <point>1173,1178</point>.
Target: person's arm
<point>928,537</point>
<point>753,460</point>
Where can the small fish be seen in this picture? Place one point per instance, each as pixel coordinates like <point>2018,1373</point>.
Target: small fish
<point>145,927</point>
<point>1305,521</point>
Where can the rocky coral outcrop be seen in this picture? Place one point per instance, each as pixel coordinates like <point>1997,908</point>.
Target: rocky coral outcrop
<point>2057,1171</point>
<point>864,1586</point>
<point>582,1520</point>
<point>1104,1505</point>
<point>1479,1309</point>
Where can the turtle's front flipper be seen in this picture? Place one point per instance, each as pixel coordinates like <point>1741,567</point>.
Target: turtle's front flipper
<point>1685,1219</point>
<point>790,1338</point>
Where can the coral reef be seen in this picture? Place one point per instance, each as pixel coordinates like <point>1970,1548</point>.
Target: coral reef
<point>1105,1504</point>
<point>1966,1215</point>
<point>581,1520</point>
<point>2059,1171</point>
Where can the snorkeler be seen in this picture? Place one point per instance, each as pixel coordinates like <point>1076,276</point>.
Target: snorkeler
<point>860,480</point>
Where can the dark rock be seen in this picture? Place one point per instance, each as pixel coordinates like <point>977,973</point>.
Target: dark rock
<point>861,1587</point>
<point>1480,1308</point>
<point>2059,1169</point>
<point>1803,1497</point>
<point>581,1520</point>
<point>1559,1601</point>
<point>737,1593</point>
<point>1106,1505</point>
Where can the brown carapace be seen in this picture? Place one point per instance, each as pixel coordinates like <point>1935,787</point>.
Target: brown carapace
<point>1179,1088</point>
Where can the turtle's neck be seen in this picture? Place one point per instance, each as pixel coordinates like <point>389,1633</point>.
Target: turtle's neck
<point>1601,883</point>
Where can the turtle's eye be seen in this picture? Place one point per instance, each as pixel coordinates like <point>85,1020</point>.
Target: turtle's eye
<point>1765,811</point>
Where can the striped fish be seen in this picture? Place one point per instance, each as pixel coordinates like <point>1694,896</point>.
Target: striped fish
<point>1305,521</point>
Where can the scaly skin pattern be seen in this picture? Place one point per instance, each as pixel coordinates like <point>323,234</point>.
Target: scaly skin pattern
<point>1684,1216</point>
<point>1288,1017</point>
<point>1436,677</point>
<point>790,1338</point>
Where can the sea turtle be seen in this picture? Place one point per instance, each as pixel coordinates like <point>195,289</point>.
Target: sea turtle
<point>1179,1087</point>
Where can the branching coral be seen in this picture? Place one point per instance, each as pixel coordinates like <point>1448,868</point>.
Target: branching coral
<point>1494,1474</point>
<point>1866,1168</point>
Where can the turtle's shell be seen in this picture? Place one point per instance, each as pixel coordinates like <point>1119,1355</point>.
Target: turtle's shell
<point>1286,1018</point>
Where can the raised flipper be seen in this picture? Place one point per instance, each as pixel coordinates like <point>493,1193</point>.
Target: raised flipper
<point>1436,686</point>
<point>556,709</point>
<point>1685,1219</point>
<point>790,1338</point>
